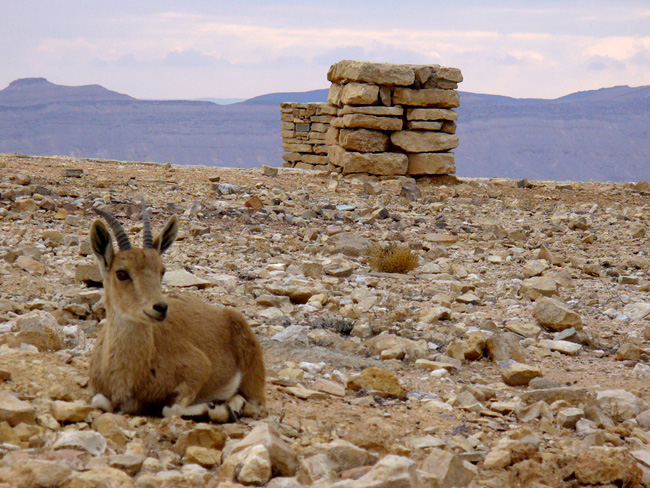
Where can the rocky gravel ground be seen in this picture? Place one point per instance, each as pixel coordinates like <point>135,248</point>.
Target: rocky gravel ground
<point>515,354</point>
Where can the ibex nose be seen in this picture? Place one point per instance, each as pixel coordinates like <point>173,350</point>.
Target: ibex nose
<point>161,308</point>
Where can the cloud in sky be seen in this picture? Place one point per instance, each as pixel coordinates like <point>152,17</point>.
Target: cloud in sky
<point>162,50</point>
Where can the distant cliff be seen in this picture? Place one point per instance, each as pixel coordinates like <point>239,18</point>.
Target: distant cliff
<point>41,118</point>
<point>601,134</point>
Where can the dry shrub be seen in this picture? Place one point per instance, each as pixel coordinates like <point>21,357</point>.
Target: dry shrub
<point>336,324</point>
<point>394,258</point>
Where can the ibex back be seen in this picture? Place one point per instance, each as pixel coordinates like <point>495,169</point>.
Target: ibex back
<point>179,355</point>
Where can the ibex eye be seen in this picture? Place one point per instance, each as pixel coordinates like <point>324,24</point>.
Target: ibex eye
<point>122,275</point>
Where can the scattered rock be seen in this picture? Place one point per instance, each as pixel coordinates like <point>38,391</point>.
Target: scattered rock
<point>519,374</point>
<point>269,171</point>
<point>378,381</point>
<point>183,279</point>
<point>505,347</point>
<point>565,347</point>
<point>568,417</point>
<point>570,394</point>
<point>207,436</point>
<point>284,459</point>
<point>255,467</point>
<point>556,316</point>
<point>390,472</point>
<point>607,465</point>
<point>535,267</point>
<point>104,476</point>
<point>129,463</point>
<point>329,387</point>
<point>507,452</point>
<point>204,456</point>
<point>448,470</point>
<point>30,264</point>
<point>40,329</point>
<point>642,187</point>
<point>619,404</point>
<point>628,352</point>
<point>538,286</point>
<point>89,441</point>
<point>523,329</point>
<point>88,274</point>
<point>112,427</point>
<point>37,473</point>
<point>324,461</point>
<point>474,346</point>
<point>349,243</point>
<point>72,173</point>
<point>76,411</point>
<point>637,311</point>
<point>15,411</point>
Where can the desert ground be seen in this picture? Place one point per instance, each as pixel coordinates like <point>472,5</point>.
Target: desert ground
<point>514,354</point>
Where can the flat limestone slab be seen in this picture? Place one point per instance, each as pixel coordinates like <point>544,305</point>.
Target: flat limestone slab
<point>431,163</point>
<point>379,73</point>
<point>424,124</point>
<point>378,111</point>
<point>383,164</point>
<point>364,140</point>
<point>423,141</point>
<point>359,94</point>
<point>433,97</point>
<point>352,121</point>
<point>431,114</point>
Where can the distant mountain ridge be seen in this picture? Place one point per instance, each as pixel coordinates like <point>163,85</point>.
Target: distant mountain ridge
<point>298,97</point>
<point>37,91</point>
<point>598,134</point>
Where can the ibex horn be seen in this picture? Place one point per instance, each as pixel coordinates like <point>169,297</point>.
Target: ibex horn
<point>147,238</point>
<point>122,240</point>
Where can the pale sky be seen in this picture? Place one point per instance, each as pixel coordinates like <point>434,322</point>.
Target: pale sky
<point>200,48</point>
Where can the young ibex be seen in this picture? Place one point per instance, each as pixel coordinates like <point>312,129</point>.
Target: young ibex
<point>179,354</point>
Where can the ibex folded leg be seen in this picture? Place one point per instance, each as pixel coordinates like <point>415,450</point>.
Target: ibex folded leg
<point>198,410</point>
<point>100,402</point>
<point>229,411</point>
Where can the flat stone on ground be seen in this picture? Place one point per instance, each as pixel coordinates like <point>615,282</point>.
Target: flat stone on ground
<point>519,374</point>
<point>15,411</point>
<point>378,381</point>
<point>555,315</point>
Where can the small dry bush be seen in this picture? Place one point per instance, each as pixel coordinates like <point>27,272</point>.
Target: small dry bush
<point>393,258</point>
<point>336,324</point>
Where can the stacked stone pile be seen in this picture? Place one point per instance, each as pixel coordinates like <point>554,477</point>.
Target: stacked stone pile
<point>393,119</point>
<point>303,133</point>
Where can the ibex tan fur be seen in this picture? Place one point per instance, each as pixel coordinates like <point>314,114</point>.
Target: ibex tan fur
<point>179,354</point>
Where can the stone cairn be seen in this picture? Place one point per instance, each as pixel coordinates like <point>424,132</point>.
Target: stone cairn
<point>303,133</point>
<point>386,120</point>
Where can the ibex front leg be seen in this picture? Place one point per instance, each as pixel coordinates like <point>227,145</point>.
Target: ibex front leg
<point>196,368</point>
<point>182,407</point>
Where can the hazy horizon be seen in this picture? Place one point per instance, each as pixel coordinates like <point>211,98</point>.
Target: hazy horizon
<point>163,50</point>
<point>230,101</point>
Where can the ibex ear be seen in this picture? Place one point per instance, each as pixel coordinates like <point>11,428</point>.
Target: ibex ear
<point>102,245</point>
<point>167,236</point>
